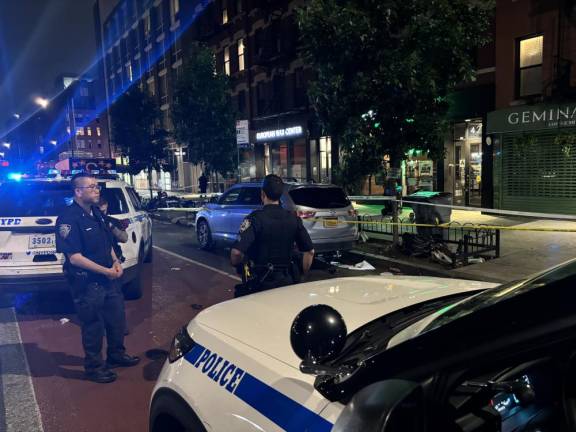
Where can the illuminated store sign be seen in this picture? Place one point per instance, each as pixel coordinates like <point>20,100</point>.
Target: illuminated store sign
<point>289,132</point>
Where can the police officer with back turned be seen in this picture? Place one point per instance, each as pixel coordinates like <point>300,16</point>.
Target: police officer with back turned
<point>93,270</point>
<point>266,240</point>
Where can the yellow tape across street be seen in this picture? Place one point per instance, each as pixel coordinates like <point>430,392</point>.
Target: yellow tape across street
<point>446,226</point>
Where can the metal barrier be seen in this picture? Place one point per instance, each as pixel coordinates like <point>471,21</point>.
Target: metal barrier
<point>469,240</point>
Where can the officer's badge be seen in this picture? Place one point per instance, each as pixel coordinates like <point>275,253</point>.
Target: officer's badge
<point>245,225</point>
<point>64,230</point>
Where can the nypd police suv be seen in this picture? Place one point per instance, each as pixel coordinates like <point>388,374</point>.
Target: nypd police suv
<point>378,354</point>
<point>28,258</point>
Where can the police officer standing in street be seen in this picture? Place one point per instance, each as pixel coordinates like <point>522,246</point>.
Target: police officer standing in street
<point>266,240</point>
<point>93,270</point>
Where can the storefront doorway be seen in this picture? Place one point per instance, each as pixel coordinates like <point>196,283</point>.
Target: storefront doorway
<point>464,157</point>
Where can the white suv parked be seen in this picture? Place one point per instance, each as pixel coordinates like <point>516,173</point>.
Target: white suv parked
<point>28,212</point>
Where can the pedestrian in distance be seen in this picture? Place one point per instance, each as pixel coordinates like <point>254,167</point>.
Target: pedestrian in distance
<point>265,246</point>
<point>94,271</point>
<point>203,184</point>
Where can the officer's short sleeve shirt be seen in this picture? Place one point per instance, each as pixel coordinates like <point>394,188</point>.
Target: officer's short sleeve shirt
<point>68,234</point>
<point>247,234</point>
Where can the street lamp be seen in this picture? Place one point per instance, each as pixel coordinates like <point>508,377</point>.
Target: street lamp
<point>2,154</point>
<point>42,102</point>
<point>6,144</point>
<point>16,116</point>
<point>53,142</point>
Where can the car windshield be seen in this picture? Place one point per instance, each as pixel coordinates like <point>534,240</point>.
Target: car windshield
<point>492,296</point>
<point>320,197</point>
<point>34,199</point>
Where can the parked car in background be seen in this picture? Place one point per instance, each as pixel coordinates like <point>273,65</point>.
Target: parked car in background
<point>28,257</point>
<point>325,210</point>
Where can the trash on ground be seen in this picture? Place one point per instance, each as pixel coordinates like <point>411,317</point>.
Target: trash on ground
<point>386,274</point>
<point>175,268</point>
<point>64,321</point>
<point>363,266</point>
<point>476,260</point>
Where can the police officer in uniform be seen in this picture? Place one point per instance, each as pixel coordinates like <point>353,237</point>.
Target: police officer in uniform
<point>93,270</point>
<point>266,240</point>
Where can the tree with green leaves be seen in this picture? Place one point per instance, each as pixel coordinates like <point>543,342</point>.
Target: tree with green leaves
<point>384,69</point>
<point>203,113</point>
<point>136,129</point>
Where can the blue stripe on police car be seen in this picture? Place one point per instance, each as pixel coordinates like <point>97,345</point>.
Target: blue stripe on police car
<point>274,405</point>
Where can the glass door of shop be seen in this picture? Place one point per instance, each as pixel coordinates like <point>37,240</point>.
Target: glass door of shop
<point>466,163</point>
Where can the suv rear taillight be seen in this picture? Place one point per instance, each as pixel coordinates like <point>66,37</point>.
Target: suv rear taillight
<point>305,214</point>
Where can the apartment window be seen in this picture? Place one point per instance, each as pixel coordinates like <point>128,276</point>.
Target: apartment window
<point>79,131</point>
<point>147,27</point>
<point>163,89</point>
<point>129,72</point>
<point>241,49</point>
<point>177,51</point>
<point>529,75</point>
<point>80,144</point>
<point>135,42</point>
<point>227,60</point>
<point>174,9</point>
<point>151,88</point>
<point>89,131</point>
<point>98,131</point>
<point>224,12</point>
<point>83,91</point>
<point>159,20</point>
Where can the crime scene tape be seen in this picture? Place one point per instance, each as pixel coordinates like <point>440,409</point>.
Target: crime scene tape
<point>470,227</point>
<point>491,211</point>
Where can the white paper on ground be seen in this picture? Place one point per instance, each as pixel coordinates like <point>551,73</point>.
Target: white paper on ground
<point>362,266</point>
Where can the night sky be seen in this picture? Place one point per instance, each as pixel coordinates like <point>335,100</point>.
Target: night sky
<point>39,40</point>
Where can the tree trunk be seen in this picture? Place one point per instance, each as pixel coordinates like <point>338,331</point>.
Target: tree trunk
<point>370,184</point>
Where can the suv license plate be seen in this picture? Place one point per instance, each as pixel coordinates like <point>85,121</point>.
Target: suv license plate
<point>330,223</point>
<point>36,241</point>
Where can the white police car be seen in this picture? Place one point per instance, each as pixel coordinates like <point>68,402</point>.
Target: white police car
<point>28,258</point>
<point>232,368</point>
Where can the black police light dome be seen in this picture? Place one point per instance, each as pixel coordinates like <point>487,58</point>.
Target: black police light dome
<point>318,333</point>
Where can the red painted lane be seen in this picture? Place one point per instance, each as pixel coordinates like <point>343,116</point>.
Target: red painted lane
<point>68,403</point>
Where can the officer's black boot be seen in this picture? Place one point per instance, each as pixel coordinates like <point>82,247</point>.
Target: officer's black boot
<point>101,376</point>
<point>124,360</point>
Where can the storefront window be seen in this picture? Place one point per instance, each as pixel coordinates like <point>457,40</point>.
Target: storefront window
<point>298,162</point>
<point>418,172</point>
<point>325,159</point>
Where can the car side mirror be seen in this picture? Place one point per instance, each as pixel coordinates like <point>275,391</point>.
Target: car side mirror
<point>386,406</point>
<point>318,334</point>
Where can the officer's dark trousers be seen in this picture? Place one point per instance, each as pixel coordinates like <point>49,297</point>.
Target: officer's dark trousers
<point>100,309</point>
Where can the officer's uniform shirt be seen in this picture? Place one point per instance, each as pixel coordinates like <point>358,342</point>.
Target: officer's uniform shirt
<point>267,236</point>
<point>79,232</point>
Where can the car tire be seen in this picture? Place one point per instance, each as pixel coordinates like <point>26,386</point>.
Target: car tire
<point>133,289</point>
<point>149,255</point>
<point>204,235</point>
<point>171,413</point>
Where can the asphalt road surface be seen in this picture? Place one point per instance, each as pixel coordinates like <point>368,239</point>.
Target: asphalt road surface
<point>41,375</point>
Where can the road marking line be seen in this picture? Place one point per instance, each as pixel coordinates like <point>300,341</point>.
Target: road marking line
<point>231,276</point>
<point>21,407</point>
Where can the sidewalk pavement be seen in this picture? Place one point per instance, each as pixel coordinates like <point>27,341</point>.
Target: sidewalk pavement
<point>523,253</point>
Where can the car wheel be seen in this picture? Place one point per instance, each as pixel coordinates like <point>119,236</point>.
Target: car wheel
<point>149,255</point>
<point>204,235</point>
<point>172,414</point>
<point>133,289</point>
